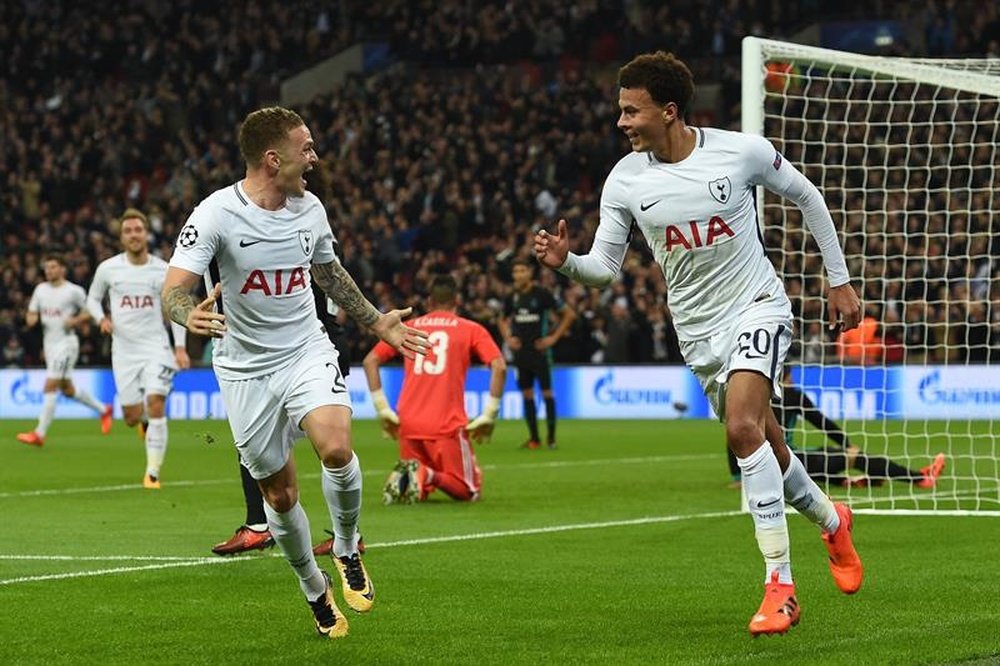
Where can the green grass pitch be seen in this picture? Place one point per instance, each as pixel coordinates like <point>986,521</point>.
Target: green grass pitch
<point>624,546</point>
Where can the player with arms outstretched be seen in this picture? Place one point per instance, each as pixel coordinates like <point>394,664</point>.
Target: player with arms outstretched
<point>142,360</point>
<point>60,306</point>
<point>690,190</point>
<point>259,240</point>
<point>433,429</point>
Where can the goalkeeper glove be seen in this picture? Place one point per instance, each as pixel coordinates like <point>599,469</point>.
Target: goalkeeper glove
<point>388,418</point>
<point>481,428</point>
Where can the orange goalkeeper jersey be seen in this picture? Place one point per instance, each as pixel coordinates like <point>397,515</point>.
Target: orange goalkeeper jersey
<point>432,402</point>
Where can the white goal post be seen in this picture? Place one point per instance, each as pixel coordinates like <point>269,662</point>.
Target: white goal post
<point>905,152</point>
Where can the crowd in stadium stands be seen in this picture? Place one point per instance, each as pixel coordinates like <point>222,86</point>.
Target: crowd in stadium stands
<point>503,120</point>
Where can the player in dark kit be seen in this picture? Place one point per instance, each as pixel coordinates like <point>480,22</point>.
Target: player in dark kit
<point>525,329</point>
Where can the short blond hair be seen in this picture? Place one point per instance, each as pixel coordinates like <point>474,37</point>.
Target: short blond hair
<point>265,129</point>
<point>134,214</point>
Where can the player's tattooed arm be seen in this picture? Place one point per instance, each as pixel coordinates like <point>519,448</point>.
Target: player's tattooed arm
<point>178,304</point>
<point>182,307</point>
<point>338,284</point>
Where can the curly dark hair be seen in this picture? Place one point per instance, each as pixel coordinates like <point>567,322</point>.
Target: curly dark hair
<point>663,75</point>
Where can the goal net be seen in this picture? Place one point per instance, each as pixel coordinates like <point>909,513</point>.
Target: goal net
<point>905,153</point>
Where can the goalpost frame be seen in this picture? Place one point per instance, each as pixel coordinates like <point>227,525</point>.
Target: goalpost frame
<point>963,75</point>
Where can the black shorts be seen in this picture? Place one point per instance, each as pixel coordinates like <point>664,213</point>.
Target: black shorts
<point>530,370</point>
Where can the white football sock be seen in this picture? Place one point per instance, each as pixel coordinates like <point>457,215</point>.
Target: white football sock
<point>342,490</point>
<point>83,396</point>
<point>156,445</point>
<point>807,498</point>
<point>291,532</point>
<point>48,412</point>
<point>765,500</point>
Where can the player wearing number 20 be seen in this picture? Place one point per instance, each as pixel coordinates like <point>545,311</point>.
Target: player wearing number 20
<point>690,191</point>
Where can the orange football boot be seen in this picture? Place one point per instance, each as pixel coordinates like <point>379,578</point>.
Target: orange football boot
<point>106,420</point>
<point>326,547</point>
<point>932,472</point>
<point>31,438</point>
<point>244,540</point>
<point>845,565</point>
<point>778,612</point>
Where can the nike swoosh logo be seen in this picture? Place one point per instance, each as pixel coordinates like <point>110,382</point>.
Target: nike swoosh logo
<point>247,243</point>
<point>644,207</point>
<point>764,505</point>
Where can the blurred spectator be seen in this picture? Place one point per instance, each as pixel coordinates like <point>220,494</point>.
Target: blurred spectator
<point>862,345</point>
<point>104,105</point>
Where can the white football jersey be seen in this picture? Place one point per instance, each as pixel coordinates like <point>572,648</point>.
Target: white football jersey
<point>54,306</point>
<point>700,221</point>
<point>133,292</point>
<point>262,258</point>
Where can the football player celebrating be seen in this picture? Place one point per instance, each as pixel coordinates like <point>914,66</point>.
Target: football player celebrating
<point>690,190</point>
<point>142,360</point>
<point>259,240</point>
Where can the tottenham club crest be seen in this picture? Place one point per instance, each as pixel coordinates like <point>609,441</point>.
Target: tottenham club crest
<point>306,241</point>
<point>188,236</point>
<point>721,189</point>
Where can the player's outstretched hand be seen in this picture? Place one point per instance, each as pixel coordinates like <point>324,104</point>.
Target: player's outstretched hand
<point>203,320</point>
<point>406,340</point>
<point>845,306</point>
<point>552,249</point>
<point>106,326</point>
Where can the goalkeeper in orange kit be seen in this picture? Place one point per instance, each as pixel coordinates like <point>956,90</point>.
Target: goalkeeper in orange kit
<point>434,432</point>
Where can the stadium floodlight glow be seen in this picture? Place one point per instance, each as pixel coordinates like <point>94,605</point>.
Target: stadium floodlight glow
<point>905,152</point>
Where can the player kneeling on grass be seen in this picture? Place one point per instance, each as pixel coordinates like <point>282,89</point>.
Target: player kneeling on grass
<point>435,436</point>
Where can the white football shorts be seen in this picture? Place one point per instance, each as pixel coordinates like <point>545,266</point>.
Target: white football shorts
<point>60,358</point>
<point>265,412</point>
<point>758,341</point>
<point>140,375</point>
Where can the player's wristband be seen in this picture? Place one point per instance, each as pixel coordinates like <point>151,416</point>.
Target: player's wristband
<point>380,402</point>
<point>492,408</point>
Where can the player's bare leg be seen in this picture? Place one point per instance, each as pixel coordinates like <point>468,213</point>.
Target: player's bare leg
<point>329,430</point>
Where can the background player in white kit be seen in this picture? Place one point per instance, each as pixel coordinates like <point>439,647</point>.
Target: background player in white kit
<point>691,193</point>
<point>260,240</point>
<point>59,305</point>
<point>141,357</point>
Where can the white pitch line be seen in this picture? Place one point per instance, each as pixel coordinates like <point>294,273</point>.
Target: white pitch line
<point>196,561</point>
<point>650,520</point>
<point>375,472</point>
<point>108,558</point>
<point>103,572</point>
